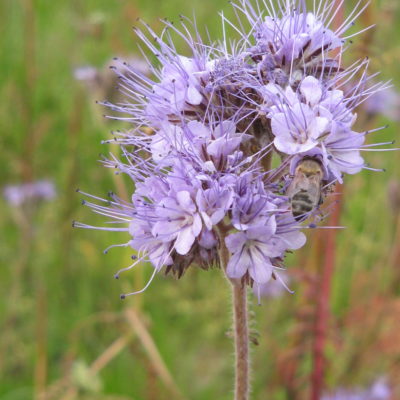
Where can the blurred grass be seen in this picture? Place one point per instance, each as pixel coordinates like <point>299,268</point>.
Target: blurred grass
<point>61,309</point>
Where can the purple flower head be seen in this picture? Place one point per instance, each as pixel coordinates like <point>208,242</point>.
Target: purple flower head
<point>252,205</point>
<point>179,221</point>
<point>209,149</point>
<point>341,152</point>
<point>297,125</point>
<point>206,127</point>
<point>252,251</point>
<point>257,249</point>
<point>17,195</point>
<point>379,390</point>
<point>180,89</point>
<point>386,103</point>
<point>316,121</point>
<point>292,42</point>
<point>144,242</point>
<point>275,287</point>
<point>215,202</point>
<point>86,73</point>
<point>177,91</point>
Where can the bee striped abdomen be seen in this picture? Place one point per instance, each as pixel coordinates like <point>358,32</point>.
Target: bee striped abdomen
<point>302,203</point>
<point>305,189</point>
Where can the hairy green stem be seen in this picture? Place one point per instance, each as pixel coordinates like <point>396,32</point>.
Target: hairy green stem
<point>240,328</point>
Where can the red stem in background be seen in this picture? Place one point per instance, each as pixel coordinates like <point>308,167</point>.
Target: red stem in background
<point>322,315</point>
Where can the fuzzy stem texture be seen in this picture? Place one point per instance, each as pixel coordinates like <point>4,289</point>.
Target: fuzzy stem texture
<point>240,322</point>
<point>241,341</point>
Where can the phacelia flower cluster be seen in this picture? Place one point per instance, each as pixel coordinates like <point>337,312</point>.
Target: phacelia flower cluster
<point>379,390</point>
<point>207,125</point>
<point>18,195</point>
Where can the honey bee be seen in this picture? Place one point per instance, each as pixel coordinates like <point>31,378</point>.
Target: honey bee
<point>305,189</point>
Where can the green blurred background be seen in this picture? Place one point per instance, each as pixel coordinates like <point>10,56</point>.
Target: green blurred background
<point>65,334</point>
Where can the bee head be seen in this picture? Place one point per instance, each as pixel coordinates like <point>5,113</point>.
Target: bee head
<point>309,167</point>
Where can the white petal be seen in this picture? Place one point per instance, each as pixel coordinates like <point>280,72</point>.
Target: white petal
<point>209,166</point>
<point>291,96</point>
<point>235,241</point>
<point>263,233</point>
<point>199,130</point>
<point>260,267</point>
<point>208,222</point>
<point>166,231</point>
<point>197,225</point>
<point>333,97</point>
<point>280,124</point>
<point>294,240</point>
<point>238,265</point>
<point>311,90</point>
<point>311,20</point>
<point>285,145</point>
<point>168,207</point>
<point>193,96</point>
<point>187,63</point>
<point>226,128</point>
<point>184,241</point>
<point>185,201</point>
<point>218,216</point>
<point>223,146</point>
<point>271,89</point>
<point>318,126</point>
<point>160,148</point>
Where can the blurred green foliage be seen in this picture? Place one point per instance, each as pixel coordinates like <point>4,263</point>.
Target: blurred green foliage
<point>60,308</point>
